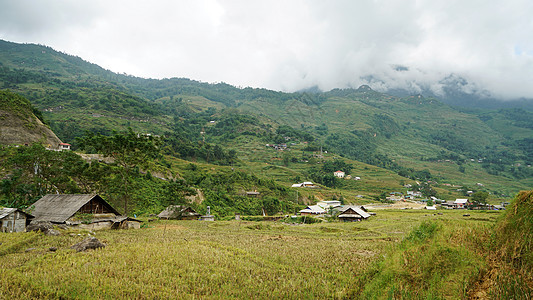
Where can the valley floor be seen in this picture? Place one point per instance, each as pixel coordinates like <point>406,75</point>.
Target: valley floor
<point>222,259</point>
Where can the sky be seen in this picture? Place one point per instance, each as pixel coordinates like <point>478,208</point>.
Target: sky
<point>289,45</point>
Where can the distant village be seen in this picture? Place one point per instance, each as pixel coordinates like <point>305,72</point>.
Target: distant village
<point>93,212</point>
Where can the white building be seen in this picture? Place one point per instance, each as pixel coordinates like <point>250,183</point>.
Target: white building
<point>329,203</point>
<point>339,174</point>
<point>461,203</point>
<point>64,146</point>
<point>313,210</point>
<point>306,184</point>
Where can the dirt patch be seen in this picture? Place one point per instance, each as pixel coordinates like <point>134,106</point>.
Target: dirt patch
<point>486,281</point>
<point>395,205</point>
<point>198,198</point>
<point>18,130</point>
<point>365,253</point>
<point>279,238</point>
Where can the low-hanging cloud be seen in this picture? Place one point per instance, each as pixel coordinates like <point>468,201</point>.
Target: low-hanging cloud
<point>293,45</point>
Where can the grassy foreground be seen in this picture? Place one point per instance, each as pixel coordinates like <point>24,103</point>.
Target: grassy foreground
<point>237,259</point>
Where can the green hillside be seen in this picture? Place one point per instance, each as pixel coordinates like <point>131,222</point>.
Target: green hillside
<point>408,136</point>
<point>21,123</point>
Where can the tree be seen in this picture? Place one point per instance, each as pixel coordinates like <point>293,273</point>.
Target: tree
<point>427,190</point>
<point>36,172</point>
<point>338,164</point>
<point>130,153</point>
<point>175,192</point>
<point>480,197</point>
<point>286,159</point>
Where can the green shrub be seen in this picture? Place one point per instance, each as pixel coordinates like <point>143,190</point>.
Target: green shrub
<point>303,220</point>
<point>425,231</point>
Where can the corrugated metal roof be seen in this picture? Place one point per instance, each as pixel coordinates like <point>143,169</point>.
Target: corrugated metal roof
<point>355,216</point>
<point>313,209</point>
<point>5,211</point>
<point>59,208</point>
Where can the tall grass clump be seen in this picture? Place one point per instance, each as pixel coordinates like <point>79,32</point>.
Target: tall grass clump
<point>512,245</point>
<point>514,234</point>
<point>431,262</point>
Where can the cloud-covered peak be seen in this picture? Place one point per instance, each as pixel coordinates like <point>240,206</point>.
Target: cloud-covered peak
<point>293,45</point>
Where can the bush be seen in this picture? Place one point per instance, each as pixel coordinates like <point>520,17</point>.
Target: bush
<point>425,231</point>
<point>303,220</point>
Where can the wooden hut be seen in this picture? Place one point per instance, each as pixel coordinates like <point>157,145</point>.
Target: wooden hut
<point>179,212</point>
<point>353,213</point>
<point>87,211</point>
<point>13,220</point>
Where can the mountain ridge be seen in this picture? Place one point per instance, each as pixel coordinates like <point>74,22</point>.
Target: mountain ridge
<point>397,132</point>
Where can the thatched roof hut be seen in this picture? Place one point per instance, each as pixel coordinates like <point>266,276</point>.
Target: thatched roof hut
<point>179,212</point>
<point>80,210</point>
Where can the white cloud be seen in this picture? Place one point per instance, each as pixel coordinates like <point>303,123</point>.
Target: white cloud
<point>290,45</point>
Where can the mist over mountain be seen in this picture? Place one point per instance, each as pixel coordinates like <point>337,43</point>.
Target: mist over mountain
<point>452,89</point>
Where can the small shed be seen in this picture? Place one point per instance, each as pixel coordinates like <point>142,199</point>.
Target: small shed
<point>353,213</point>
<point>207,218</point>
<point>179,212</point>
<point>64,147</point>
<point>86,211</point>
<point>305,184</point>
<point>448,204</point>
<point>253,194</point>
<point>13,220</point>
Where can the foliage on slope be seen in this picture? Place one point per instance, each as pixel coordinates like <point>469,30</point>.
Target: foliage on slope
<point>19,105</point>
<point>359,123</point>
<point>126,179</point>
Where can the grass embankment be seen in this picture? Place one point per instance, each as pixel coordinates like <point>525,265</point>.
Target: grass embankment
<point>437,260</point>
<point>511,258</point>
<point>459,259</point>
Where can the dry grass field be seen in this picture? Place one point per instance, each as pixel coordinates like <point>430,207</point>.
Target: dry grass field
<point>213,260</point>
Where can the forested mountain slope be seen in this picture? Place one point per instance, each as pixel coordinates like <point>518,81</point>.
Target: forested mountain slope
<point>404,134</point>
